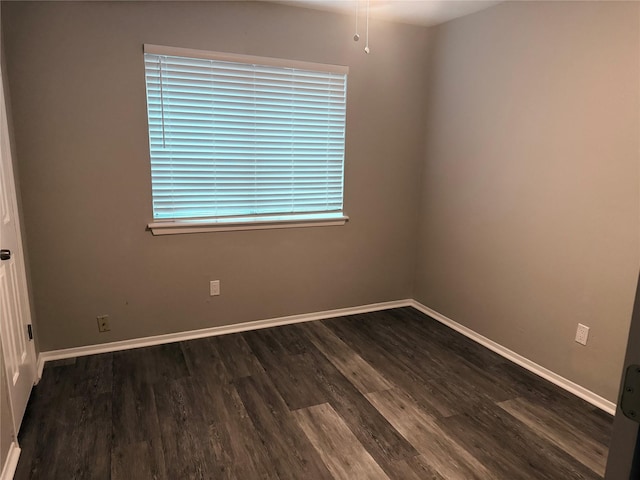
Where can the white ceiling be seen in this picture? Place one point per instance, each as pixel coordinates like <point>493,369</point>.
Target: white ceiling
<point>418,12</point>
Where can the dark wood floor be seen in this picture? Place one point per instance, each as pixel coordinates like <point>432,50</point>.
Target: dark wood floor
<point>392,394</point>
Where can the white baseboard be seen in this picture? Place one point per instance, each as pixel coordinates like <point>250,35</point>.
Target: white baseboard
<point>10,464</point>
<point>40,366</point>
<point>210,332</point>
<point>568,385</point>
<point>533,367</point>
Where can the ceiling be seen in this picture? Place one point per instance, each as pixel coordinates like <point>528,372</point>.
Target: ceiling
<point>417,12</point>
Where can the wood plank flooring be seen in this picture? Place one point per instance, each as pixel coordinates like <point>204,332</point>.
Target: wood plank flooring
<point>385,395</point>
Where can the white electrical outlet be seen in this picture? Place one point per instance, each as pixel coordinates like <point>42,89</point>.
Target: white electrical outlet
<point>582,334</point>
<point>214,288</point>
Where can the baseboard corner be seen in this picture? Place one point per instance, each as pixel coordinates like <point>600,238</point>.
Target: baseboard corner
<point>39,367</point>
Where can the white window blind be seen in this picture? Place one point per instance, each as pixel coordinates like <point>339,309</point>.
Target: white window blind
<point>244,137</point>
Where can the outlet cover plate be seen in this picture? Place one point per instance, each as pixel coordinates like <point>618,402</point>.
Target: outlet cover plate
<point>582,334</point>
<point>103,323</point>
<point>214,288</point>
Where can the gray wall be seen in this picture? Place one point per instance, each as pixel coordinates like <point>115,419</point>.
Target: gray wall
<point>529,220</point>
<point>77,89</point>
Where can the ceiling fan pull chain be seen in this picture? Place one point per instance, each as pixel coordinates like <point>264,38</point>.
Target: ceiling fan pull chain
<point>366,47</point>
<point>356,37</point>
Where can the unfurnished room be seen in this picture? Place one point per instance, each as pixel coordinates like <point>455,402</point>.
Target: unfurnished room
<point>320,239</point>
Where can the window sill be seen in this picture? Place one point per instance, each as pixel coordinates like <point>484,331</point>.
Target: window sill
<point>177,227</point>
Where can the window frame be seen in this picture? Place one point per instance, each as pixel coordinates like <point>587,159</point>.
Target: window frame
<point>257,222</point>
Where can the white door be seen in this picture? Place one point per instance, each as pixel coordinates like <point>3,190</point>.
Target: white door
<point>15,318</point>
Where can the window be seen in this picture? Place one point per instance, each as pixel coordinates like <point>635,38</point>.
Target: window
<point>243,142</point>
